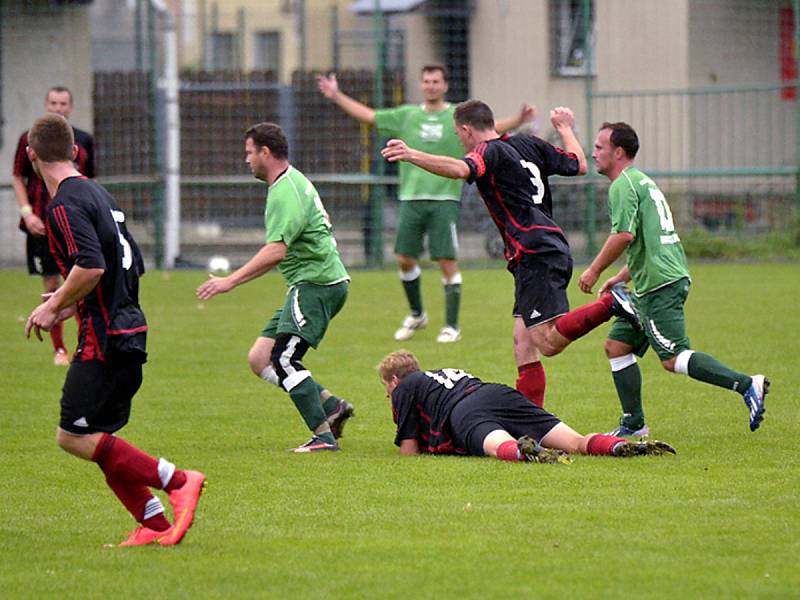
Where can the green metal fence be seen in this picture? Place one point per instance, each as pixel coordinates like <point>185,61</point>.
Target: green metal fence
<point>726,156</point>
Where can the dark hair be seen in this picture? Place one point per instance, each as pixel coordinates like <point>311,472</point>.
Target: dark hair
<point>51,138</point>
<point>434,67</point>
<point>271,136</point>
<point>623,136</point>
<point>475,113</point>
<point>59,89</point>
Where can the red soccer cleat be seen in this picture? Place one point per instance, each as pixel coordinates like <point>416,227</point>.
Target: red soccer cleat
<point>184,502</point>
<point>141,536</point>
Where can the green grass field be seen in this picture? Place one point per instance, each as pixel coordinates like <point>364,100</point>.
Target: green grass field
<point>720,519</point>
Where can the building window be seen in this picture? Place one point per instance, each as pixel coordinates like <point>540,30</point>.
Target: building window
<point>222,51</point>
<point>267,51</point>
<point>568,36</point>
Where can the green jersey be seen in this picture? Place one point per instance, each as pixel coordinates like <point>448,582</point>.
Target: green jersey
<point>295,216</point>
<point>655,256</point>
<point>431,132</point>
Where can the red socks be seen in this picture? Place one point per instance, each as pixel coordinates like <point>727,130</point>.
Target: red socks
<point>531,382</point>
<point>508,451</point>
<point>129,473</point>
<point>602,445</point>
<point>582,320</point>
<point>57,336</point>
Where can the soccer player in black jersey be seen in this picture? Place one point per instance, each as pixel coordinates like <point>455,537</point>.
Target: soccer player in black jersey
<point>101,266</point>
<point>32,201</point>
<point>450,411</point>
<point>512,177</point>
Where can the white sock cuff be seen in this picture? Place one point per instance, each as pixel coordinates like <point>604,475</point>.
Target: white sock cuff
<point>295,379</point>
<point>165,471</point>
<point>152,508</point>
<point>412,274</point>
<point>622,362</point>
<point>269,375</point>
<point>682,362</point>
<point>454,280</point>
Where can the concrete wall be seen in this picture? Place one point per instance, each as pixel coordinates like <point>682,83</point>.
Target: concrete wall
<point>42,46</point>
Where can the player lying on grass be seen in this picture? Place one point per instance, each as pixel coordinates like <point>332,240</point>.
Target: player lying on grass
<point>449,411</point>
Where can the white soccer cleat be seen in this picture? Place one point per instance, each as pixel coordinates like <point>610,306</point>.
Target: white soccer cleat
<point>410,326</point>
<point>448,334</point>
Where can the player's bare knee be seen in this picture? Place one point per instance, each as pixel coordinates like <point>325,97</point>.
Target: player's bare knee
<point>669,364</point>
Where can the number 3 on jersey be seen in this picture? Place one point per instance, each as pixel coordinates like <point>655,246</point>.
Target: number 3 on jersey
<point>536,180</point>
<point>127,254</point>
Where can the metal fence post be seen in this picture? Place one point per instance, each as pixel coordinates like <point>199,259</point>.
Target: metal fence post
<point>590,219</point>
<point>376,209</point>
<point>796,14</point>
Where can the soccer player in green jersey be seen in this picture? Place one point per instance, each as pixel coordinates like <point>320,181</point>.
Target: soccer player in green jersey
<point>300,244</point>
<point>642,227</point>
<point>429,204</point>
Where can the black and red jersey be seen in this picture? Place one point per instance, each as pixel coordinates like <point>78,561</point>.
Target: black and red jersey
<point>512,177</point>
<point>421,407</point>
<point>86,229</point>
<point>37,191</point>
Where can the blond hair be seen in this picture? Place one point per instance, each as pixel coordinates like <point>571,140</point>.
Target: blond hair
<point>400,363</point>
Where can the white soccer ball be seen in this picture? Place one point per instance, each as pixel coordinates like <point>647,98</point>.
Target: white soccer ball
<point>219,264</point>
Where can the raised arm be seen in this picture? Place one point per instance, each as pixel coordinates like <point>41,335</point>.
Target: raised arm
<point>526,113</point>
<point>564,123</point>
<point>446,166</point>
<point>329,88</point>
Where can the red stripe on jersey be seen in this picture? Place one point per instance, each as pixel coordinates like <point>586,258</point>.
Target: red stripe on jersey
<point>91,346</point>
<point>480,165</point>
<point>126,331</point>
<point>520,227</point>
<point>60,214</point>
<point>102,304</point>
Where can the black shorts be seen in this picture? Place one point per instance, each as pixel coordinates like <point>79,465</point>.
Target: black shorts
<point>540,287</point>
<point>492,407</point>
<point>97,395</point>
<point>40,260</point>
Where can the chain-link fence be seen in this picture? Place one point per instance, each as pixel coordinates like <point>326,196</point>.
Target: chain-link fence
<point>724,152</point>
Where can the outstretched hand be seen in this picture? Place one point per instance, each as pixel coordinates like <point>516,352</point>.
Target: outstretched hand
<point>395,150</point>
<point>328,85</point>
<point>527,113</point>
<point>561,116</point>
<point>213,286</point>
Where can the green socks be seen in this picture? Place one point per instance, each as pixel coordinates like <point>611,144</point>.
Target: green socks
<point>414,294</point>
<point>305,396</point>
<point>628,382</point>
<point>708,369</point>
<point>452,300</point>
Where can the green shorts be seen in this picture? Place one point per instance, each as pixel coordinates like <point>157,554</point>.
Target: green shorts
<point>661,312</point>
<point>307,311</point>
<point>437,218</point>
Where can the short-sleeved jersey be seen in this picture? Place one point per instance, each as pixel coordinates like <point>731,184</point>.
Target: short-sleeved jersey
<point>512,177</point>
<point>35,187</point>
<point>295,216</point>
<point>431,132</point>
<point>422,403</point>
<point>655,256</point>
<point>85,228</point>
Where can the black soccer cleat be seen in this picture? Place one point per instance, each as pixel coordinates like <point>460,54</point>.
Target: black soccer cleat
<point>642,448</point>
<point>531,451</point>
<point>622,306</point>
<point>338,417</point>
